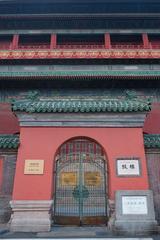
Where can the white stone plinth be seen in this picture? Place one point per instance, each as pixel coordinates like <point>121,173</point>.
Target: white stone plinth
<point>30,216</point>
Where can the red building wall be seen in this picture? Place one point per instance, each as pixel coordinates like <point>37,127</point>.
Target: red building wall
<point>43,143</point>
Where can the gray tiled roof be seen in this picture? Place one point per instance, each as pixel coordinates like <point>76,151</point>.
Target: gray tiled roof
<point>9,141</point>
<point>82,106</point>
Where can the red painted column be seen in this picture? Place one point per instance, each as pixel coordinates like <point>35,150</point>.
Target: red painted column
<point>53,42</point>
<point>145,40</point>
<point>15,41</point>
<point>107,39</point>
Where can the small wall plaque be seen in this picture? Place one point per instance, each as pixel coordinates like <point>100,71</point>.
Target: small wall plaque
<point>135,205</point>
<point>34,167</point>
<point>128,167</point>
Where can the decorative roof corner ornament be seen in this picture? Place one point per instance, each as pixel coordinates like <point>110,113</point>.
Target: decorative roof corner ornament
<point>33,95</point>
<point>11,100</point>
<point>130,94</point>
<point>149,100</point>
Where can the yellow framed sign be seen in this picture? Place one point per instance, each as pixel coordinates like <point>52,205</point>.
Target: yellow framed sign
<point>68,179</point>
<point>92,179</point>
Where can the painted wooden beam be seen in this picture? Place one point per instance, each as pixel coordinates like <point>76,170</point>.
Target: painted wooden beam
<point>81,54</point>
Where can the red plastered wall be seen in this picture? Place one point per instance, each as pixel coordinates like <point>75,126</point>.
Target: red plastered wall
<point>42,143</point>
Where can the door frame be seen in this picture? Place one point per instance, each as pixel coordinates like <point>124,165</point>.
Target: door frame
<point>97,218</point>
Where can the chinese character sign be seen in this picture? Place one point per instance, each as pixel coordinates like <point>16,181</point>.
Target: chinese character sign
<point>128,167</point>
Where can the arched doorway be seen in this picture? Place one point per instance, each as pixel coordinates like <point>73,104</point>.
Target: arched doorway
<point>80,184</point>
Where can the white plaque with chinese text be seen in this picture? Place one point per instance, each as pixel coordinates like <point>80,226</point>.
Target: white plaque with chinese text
<point>135,205</point>
<point>128,167</point>
<point>34,167</point>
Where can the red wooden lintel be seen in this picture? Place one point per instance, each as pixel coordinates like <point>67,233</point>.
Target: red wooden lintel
<point>53,42</point>
<point>107,40</point>
<point>146,43</point>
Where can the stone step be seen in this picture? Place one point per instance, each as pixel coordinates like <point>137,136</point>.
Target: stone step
<point>84,238</point>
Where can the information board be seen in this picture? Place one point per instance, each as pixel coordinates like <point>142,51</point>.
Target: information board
<point>135,205</point>
<point>34,167</point>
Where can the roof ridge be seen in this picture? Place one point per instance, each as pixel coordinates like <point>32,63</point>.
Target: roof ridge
<point>81,105</point>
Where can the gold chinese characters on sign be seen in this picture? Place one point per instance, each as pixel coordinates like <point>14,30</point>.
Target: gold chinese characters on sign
<point>34,167</point>
<point>92,178</point>
<point>68,179</point>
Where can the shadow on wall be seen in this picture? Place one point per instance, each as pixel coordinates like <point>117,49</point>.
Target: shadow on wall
<point>8,121</point>
<point>151,125</point>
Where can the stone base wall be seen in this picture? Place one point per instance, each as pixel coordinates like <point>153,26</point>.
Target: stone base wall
<point>130,219</point>
<point>135,227</point>
<point>111,214</point>
<point>31,216</point>
<point>5,209</point>
<point>8,159</point>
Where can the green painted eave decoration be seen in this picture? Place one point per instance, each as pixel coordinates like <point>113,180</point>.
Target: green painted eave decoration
<point>9,141</point>
<point>81,106</point>
<point>80,73</point>
<point>152,140</point>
